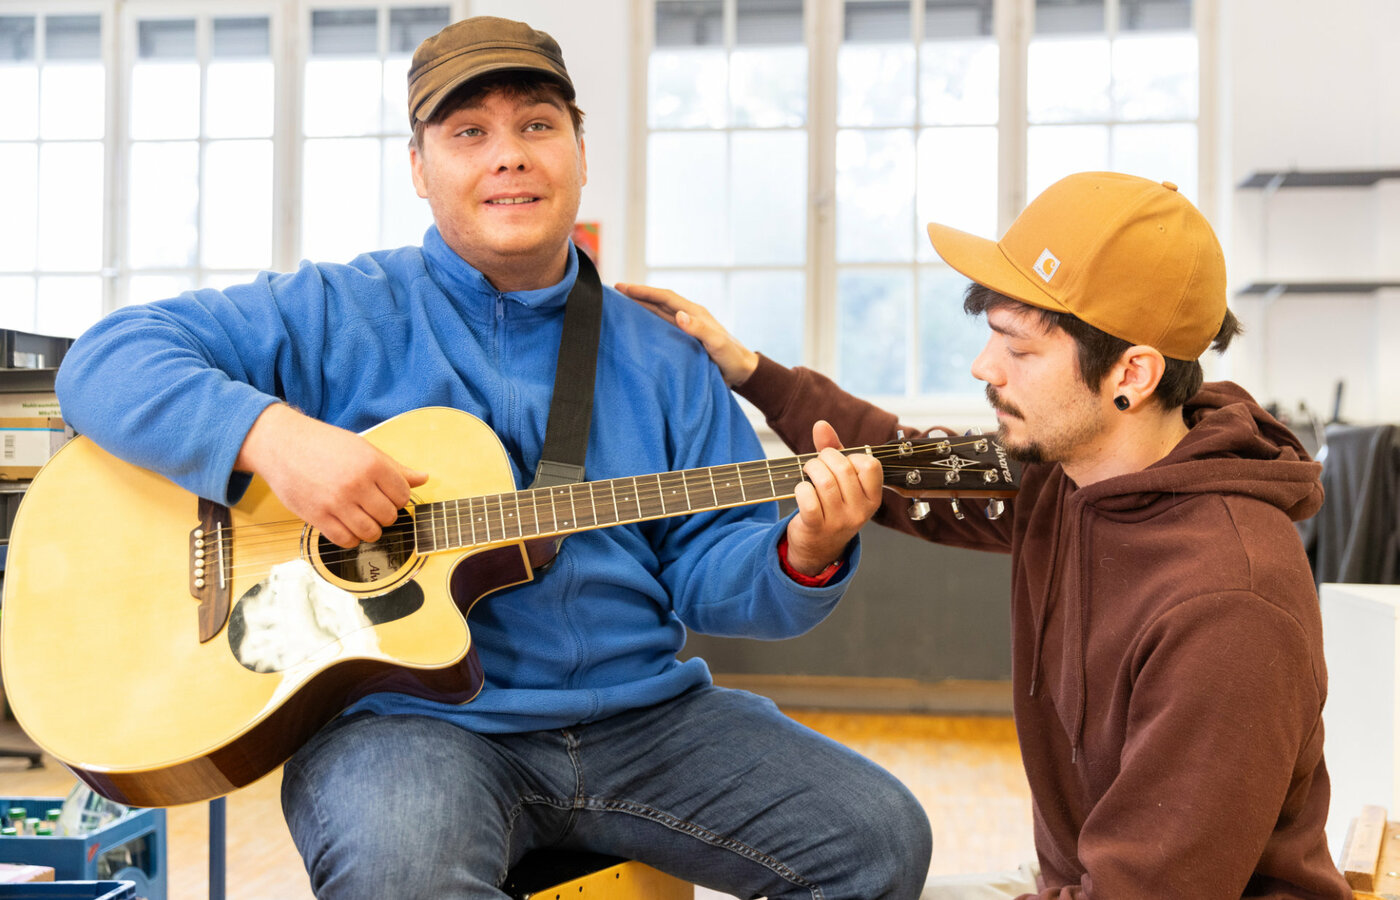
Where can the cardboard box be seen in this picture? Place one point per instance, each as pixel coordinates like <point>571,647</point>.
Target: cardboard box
<point>26,443</point>
<point>14,873</point>
<point>28,403</point>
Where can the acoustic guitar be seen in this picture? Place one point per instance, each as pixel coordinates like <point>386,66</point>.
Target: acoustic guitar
<point>168,649</point>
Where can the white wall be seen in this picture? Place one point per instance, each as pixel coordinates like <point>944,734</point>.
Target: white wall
<point>1315,86</point>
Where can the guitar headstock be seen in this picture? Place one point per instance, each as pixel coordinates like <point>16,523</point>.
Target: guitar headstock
<point>972,465</point>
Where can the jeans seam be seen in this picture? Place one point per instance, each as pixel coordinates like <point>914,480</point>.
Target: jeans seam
<point>712,838</point>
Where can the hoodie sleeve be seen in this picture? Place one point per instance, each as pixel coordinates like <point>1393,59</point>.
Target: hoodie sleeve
<point>792,400</point>
<point>174,386</point>
<point>1223,746</point>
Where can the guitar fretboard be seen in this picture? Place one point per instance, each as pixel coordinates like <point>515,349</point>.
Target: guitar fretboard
<point>542,512</point>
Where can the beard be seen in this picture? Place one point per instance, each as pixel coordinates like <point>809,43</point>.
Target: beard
<point>1077,426</point>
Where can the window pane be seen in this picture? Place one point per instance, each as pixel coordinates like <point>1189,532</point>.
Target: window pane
<point>958,83</point>
<point>339,224</point>
<point>874,308</point>
<point>768,312</point>
<point>1158,152</point>
<point>72,101</point>
<point>236,229</point>
<point>1155,76</point>
<point>957,182</point>
<point>19,85</point>
<point>19,198</point>
<point>242,38</point>
<point>768,88</point>
<point>768,197</point>
<point>1154,15</point>
<point>352,32</point>
<point>70,214</point>
<point>406,215</point>
<point>689,23</point>
<point>340,96</point>
<point>687,88</point>
<point>949,339</point>
<point>73,37</point>
<point>1069,16</point>
<point>17,38</point>
<point>769,22</point>
<point>878,20</point>
<point>68,304</point>
<point>239,98</point>
<point>1068,80</point>
<point>875,192</point>
<point>875,84</point>
<point>410,26</point>
<point>394,97</point>
<point>164,204</point>
<point>17,302</point>
<point>686,206</point>
<point>957,18</point>
<point>1054,151</point>
<point>164,100</point>
<point>165,39</point>
<point>148,288</point>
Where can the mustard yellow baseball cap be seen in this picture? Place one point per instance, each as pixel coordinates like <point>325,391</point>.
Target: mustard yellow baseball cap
<point>1131,257</point>
<point>471,48</point>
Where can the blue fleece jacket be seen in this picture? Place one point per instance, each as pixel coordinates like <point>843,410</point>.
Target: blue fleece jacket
<point>174,386</point>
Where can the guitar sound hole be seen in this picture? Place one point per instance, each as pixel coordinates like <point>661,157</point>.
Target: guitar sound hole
<point>371,561</point>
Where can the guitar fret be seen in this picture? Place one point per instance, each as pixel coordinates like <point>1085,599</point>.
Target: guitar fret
<point>660,494</point>
<point>612,487</point>
<point>519,521</point>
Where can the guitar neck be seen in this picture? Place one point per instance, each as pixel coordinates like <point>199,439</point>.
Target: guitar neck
<point>564,509</point>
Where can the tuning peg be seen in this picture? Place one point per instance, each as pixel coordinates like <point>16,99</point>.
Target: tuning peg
<point>918,510</point>
<point>957,510</point>
<point>995,508</point>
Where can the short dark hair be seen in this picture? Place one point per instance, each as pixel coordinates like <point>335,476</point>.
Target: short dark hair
<point>1099,351</point>
<point>515,85</point>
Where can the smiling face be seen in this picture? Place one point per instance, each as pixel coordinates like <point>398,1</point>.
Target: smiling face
<point>503,176</point>
<point>1045,412</point>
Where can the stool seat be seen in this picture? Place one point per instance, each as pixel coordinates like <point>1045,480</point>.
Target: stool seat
<point>555,874</point>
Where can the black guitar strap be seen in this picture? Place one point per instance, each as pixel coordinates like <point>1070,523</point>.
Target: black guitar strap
<point>571,406</point>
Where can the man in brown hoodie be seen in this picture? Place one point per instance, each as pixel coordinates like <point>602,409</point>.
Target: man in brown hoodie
<point>1166,639</point>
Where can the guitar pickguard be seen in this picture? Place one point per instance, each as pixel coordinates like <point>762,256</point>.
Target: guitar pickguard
<point>301,611</point>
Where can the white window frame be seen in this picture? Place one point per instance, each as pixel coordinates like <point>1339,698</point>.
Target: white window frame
<point>1013,22</point>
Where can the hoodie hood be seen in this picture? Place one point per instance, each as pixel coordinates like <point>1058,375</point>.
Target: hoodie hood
<point>1234,447</point>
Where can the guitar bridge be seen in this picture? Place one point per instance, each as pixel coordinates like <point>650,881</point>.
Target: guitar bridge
<point>209,564</point>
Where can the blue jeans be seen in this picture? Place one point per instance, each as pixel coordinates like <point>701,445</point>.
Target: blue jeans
<point>717,787</point>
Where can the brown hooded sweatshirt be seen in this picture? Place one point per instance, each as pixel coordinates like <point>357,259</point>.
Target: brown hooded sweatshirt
<point>1166,652</point>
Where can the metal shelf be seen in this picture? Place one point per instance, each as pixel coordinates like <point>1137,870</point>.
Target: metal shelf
<point>1318,178</point>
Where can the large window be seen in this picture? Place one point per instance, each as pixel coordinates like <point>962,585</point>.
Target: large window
<point>149,147</point>
<point>796,149</point>
<point>52,170</point>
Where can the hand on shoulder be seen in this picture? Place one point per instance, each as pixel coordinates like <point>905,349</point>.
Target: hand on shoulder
<point>736,362</point>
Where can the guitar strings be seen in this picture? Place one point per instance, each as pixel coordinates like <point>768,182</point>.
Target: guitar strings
<point>490,510</point>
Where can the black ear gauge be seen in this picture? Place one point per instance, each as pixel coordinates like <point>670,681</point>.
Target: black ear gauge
<point>1121,402</point>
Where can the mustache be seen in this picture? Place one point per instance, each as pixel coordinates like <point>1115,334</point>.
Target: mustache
<point>994,398</point>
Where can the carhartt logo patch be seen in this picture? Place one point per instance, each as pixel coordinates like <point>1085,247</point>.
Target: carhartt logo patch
<point>1047,265</point>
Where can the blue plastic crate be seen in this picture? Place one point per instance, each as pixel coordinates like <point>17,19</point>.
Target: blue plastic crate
<point>69,890</point>
<point>139,834</point>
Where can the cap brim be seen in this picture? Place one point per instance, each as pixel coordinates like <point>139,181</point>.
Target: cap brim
<point>425,110</point>
<point>984,262</point>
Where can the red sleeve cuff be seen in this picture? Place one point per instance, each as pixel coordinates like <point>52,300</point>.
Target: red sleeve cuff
<point>821,579</point>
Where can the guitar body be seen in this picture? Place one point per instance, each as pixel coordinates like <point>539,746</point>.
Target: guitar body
<point>104,665</point>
